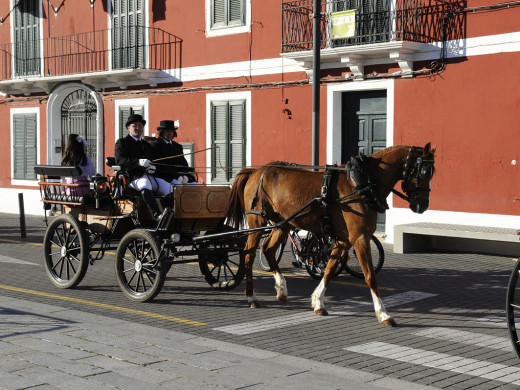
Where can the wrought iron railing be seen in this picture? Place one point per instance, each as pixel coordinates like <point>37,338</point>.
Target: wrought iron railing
<point>89,52</point>
<point>376,21</point>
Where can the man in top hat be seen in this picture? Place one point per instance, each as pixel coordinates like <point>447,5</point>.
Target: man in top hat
<point>173,166</point>
<point>133,154</point>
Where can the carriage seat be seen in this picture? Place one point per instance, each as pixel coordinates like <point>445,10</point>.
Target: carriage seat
<point>55,191</point>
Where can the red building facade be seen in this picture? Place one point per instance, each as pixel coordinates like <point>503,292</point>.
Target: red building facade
<point>237,74</point>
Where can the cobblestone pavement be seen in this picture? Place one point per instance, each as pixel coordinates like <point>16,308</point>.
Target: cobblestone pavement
<point>449,306</point>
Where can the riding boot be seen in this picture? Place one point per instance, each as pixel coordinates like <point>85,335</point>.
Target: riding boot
<point>149,201</point>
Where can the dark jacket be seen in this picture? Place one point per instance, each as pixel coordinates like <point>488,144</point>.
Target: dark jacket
<point>171,168</point>
<point>128,152</point>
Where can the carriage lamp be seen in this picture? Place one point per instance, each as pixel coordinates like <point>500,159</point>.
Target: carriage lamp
<point>98,184</point>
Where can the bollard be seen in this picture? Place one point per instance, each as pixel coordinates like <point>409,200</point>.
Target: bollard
<point>22,216</point>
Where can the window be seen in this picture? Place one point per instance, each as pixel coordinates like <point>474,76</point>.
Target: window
<point>228,138</point>
<point>127,34</point>
<point>227,17</point>
<point>24,146</point>
<point>124,113</point>
<point>27,37</point>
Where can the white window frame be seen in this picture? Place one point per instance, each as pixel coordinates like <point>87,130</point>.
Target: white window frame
<point>25,110</point>
<point>131,102</point>
<point>231,29</point>
<point>225,96</point>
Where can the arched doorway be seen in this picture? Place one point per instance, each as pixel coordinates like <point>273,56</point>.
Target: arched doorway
<point>78,116</point>
<point>75,108</point>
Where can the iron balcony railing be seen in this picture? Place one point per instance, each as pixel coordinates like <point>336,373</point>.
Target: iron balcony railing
<point>376,21</point>
<point>89,52</point>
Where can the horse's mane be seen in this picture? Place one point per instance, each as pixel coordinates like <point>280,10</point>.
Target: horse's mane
<point>379,153</point>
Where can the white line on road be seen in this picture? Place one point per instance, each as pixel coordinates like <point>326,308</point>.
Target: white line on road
<point>465,337</point>
<point>5,259</point>
<point>441,361</point>
<point>309,316</point>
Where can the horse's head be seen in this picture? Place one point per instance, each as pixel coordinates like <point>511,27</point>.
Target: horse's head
<point>417,174</point>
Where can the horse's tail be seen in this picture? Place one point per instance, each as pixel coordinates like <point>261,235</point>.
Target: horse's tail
<point>235,206</point>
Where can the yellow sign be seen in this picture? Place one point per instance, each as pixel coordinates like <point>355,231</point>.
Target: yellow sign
<point>343,24</point>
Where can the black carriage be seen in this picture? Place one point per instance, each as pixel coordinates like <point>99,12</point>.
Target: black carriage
<point>90,219</point>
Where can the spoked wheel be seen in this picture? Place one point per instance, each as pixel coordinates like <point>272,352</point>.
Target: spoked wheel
<point>65,251</point>
<point>222,261</point>
<point>264,264</point>
<point>513,307</point>
<point>316,254</point>
<point>352,265</point>
<point>140,267</point>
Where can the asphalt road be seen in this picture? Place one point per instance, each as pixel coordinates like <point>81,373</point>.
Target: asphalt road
<point>450,308</point>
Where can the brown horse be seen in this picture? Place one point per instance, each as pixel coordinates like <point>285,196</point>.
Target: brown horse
<point>289,196</point>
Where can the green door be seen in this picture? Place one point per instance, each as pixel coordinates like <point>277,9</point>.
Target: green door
<point>363,128</point>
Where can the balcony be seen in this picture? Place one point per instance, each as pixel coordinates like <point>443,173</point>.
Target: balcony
<point>102,59</point>
<point>382,32</point>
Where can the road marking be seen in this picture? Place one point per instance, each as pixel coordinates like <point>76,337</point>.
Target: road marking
<point>465,337</point>
<point>309,316</point>
<point>21,242</point>
<point>104,305</point>
<point>441,361</point>
<point>12,260</point>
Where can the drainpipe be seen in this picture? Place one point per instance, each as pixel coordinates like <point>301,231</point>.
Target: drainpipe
<point>316,83</point>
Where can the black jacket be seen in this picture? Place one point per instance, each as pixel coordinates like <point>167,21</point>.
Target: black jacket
<point>171,168</point>
<point>128,152</point>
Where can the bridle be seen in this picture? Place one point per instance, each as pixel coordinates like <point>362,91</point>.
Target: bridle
<point>422,169</point>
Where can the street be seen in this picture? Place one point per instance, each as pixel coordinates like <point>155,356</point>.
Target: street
<point>449,307</point>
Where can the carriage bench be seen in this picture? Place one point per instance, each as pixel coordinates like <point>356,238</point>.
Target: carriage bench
<point>422,237</point>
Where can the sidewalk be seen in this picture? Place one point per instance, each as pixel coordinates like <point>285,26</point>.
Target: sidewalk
<point>48,347</point>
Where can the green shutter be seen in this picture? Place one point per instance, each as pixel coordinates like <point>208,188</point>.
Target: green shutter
<point>128,34</point>
<point>225,13</point>
<point>228,136</point>
<point>25,153</point>
<point>27,37</point>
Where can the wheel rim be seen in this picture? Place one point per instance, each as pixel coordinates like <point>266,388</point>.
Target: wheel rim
<point>139,266</point>
<point>513,307</point>
<point>65,252</point>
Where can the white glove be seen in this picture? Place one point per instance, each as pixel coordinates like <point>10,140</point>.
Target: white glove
<point>144,162</point>
<point>184,179</point>
<point>151,169</point>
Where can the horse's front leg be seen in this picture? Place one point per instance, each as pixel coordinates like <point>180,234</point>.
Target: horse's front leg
<point>364,255</point>
<point>271,244</point>
<point>250,252</point>
<point>318,296</point>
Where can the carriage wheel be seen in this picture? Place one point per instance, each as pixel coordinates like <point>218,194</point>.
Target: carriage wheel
<point>223,269</point>
<point>65,251</point>
<point>264,264</point>
<point>513,307</point>
<point>317,254</point>
<point>140,269</point>
<point>352,265</point>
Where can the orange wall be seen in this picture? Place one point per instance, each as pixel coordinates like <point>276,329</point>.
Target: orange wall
<point>471,112</point>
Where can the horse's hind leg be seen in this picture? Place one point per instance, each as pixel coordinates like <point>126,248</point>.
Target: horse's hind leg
<point>269,248</point>
<point>364,255</point>
<point>253,241</point>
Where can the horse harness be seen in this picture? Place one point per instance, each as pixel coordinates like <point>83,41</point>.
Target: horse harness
<point>365,186</point>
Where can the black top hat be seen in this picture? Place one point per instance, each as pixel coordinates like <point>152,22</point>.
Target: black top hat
<point>135,118</point>
<point>167,125</point>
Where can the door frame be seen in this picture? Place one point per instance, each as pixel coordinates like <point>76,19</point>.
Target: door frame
<point>334,118</point>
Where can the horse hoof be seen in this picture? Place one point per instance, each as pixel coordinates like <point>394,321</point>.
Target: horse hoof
<point>254,305</point>
<point>321,312</point>
<point>389,322</point>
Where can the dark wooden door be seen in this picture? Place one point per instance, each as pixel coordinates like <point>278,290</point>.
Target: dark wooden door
<point>363,128</point>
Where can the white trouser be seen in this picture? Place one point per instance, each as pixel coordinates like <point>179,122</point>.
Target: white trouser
<point>147,182</point>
